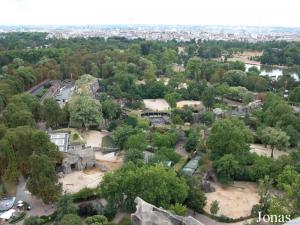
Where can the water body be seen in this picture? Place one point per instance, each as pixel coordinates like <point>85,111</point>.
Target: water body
<point>271,71</point>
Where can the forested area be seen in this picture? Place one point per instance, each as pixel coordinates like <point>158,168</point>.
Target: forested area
<point>129,71</point>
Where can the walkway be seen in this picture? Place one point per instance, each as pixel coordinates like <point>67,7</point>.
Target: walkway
<point>208,221</point>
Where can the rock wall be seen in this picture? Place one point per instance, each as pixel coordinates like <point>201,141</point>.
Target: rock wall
<point>78,157</point>
<point>147,214</point>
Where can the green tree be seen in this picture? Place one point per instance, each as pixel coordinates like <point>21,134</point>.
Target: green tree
<point>226,168</point>
<point>235,78</point>
<point>295,95</point>
<point>214,207</point>
<point>155,184</point>
<point>109,109</point>
<point>122,133</point>
<point>97,220</point>
<point>277,113</point>
<point>18,115</point>
<point>32,220</point>
<point>194,68</point>
<point>172,98</point>
<point>208,97</point>
<point>134,155</point>
<point>178,209</point>
<point>43,180</point>
<point>264,191</point>
<point>280,207</point>
<point>167,139</point>
<point>276,138</point>
<point>65,206</point>
<point>149,72</point>
<point>52,112</point>
<point>30,101</point>
<point>229,136</point>
<point>69,219</point>
<point>85,111</point>
<point>196,199</point>
<point>287,176</point>
<point>207,118</point>
<point>137,141</point>
<point>192,141</point>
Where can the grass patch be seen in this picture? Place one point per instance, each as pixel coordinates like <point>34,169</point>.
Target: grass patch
<point>108,142</point>
<point>125,221</point>
<point>75,136</point>
<point>181,163</point>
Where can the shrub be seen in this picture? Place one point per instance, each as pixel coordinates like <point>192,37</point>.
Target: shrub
<point>178,209</point>
<point>89,209</point>
<point>18,217</point>
<point>70,219</point>
<point>85,194</point>
<point>97,220</point>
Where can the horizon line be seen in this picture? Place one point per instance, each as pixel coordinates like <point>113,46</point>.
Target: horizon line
<point>150,24</point>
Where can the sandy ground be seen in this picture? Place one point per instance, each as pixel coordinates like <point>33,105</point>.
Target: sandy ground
<point>234,201</point>
<point>262,150</point>
<point>245,57</point>
<point>112,161</point>
<point>94,138</point>
<point>77,180</point>
<point>156,104</point>
<point>192,103</point>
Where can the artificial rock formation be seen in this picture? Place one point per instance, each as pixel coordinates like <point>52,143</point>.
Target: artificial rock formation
<point>147,214</point>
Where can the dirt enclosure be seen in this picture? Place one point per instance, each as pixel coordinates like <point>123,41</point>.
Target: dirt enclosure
<point>262,150</point>
<point>93,138</point>
<point>156,104</point>
<point>75,181</point>
<point>235,201</point>
<point>111,160</point>
<point>190,103</point>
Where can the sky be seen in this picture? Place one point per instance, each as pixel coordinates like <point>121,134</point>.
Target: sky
<point>187,12</point>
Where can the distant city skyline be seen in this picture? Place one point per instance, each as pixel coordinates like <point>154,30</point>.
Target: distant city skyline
<point>189,12</point>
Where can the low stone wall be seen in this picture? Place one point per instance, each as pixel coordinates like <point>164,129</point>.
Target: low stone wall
<point>147,214</point>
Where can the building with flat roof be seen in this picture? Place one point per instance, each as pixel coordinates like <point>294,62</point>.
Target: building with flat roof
<point>190,168</point>
<point>61,140</point>
<point>75,156</point>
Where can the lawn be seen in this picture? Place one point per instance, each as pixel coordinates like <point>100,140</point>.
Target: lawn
<point>108,142</point>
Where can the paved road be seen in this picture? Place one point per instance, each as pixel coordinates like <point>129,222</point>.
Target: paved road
<point>38,208</point>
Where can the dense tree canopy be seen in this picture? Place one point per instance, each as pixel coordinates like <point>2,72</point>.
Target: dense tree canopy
<point>85,111</point>
<point>229,136</point>
<point>155,184</point>
<point>43,180</point>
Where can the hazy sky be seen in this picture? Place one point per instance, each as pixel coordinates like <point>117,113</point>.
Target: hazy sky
<point>205,12</point>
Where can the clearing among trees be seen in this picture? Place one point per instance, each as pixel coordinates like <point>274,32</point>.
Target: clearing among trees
<point>93,138</point>
<point>262,150</point>
<point>159,104</point>
<point>75,181</point>
<point>191,103</point>
<point>235,201</point>
<point>111,161</point>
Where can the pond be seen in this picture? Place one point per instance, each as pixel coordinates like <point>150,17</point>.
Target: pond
<point>271,71</point>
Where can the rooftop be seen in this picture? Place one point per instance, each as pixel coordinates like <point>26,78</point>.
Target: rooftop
<point>191,166</point>
<point>6,203</point>
<point>61,140</point>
